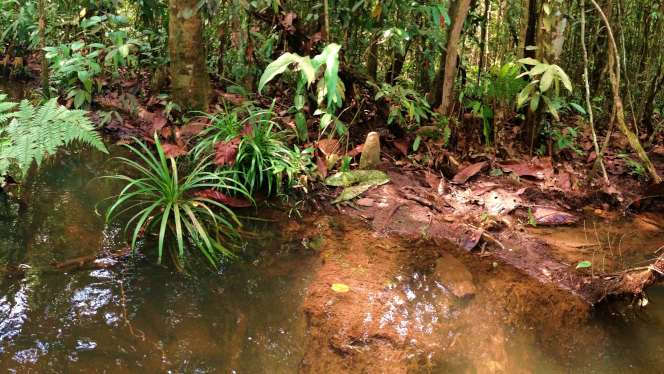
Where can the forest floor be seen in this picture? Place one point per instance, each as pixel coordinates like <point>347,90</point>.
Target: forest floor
<point>490,203</point>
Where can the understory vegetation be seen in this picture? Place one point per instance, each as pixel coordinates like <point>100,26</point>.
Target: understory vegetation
<point>240,98</point>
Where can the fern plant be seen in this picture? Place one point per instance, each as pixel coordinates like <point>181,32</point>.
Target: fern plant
<point>37,130</point>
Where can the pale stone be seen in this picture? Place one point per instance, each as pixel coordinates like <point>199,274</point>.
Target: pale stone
<point>370,158</point>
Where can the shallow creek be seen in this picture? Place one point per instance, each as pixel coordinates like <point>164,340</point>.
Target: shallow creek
<point>250,315</point>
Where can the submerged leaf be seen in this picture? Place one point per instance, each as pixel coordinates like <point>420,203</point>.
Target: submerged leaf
<point>338,287</point>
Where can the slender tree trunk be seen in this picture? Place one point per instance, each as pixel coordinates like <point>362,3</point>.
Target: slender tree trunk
<point>458,13</point>
<point>651,80</point>
<point>484,26</point>
<point>531,29</point>
<point>598,159</point>
<point>618,106</point>
<point>327,22</point>
<point>191,87</point>
<point>46,90</point>
<point>397,65</point>
<point>372,59</point>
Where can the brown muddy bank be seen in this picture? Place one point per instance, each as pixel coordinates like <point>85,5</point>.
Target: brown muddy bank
<point>424,305</point>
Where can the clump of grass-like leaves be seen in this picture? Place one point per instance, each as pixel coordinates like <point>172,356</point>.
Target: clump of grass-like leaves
<point>254,147</point>
<point>165,201</point>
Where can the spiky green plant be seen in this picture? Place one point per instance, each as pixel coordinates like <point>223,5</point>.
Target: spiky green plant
<point>262,155</point>
<point>165,200</point>
<point>37,130</point>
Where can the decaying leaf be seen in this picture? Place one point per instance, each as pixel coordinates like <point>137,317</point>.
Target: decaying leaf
<point>365,202</point>
<point>223,199</point>
<point>173,150</point>
<point>351,193</point>
<point>402,144</point>
<point>226,152</point>
<point>468,172</point>
<point>522,169</point>
<point>371,177</point>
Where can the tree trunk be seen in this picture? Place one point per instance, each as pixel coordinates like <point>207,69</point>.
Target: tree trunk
<point>372,60</point>
<point>458,13</point>
<point>651,80</point>
<point>397,65</point>
<point>191,87</point>
<point>614,75</point>
<point>46,90</point>
<point>531,29</point>
<point>484,26</point>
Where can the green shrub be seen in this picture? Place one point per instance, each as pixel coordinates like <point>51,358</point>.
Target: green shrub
<point>262,155</point>
<point>165,200</point>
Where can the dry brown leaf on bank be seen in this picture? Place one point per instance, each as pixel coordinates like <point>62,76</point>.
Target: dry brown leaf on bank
<point>468,172</point>
<point>327,145</point>
<point>365,202</point>
<point>173,150</point>
<point>522,169</point>
<point>402,144</point>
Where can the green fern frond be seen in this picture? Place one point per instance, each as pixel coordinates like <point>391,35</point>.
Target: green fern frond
<point>37,131</point>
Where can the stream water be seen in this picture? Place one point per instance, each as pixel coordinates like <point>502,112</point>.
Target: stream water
<point>247,317</point>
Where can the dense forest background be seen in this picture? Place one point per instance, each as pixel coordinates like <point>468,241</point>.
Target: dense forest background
<point>537,77</point>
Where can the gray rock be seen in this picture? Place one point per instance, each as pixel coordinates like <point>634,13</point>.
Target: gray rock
<point>370,158</point>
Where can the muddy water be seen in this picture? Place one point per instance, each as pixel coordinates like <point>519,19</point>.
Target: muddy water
<point>247,317</point>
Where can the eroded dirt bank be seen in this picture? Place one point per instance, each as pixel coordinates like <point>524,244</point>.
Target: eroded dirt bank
<point>425,305</point>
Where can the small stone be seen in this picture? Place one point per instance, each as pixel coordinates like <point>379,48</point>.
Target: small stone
<point>370,158</point>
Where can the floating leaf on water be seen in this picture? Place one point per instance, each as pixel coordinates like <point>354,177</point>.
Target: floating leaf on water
<point>583,264</point>
<point>338,287</point>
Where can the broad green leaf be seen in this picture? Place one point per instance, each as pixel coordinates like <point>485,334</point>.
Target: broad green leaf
<point>563,77</point>
<point>547,79</point>
<point>77,45</point>
<point>443,11</point>
<point>528,61</point>
<point>552,108</point>
<point>299,102</point>
<point>578,107</point>
<point>416,143</point>
<point>163,96</point>
<point>124,50</point>
<point>523,95</point>
<point>97,45</point>
<point>307,68</point>
<point>79,99</point>
<point>534,103</point>
<point>331,71</point>
<point>277,67</point>
<point>584,264</point>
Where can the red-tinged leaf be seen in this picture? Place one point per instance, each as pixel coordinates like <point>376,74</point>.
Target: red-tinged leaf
<point>321,161</point>
<point>158,120</point>
<point>563,182</point>
<point>327,145</point>
<point>468,172</point>
<point>223,199</point>
<point>402,144</point>
<point>226,152</point>
<point>173,150</point>
<point>523,169</point>
<point>354,152</point>
<point>247,130</point>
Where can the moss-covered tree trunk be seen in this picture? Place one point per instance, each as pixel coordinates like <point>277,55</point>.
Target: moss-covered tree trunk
<point>191,87</point>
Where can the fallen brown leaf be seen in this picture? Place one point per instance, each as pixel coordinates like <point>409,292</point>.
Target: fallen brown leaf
<point>468,172</point>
